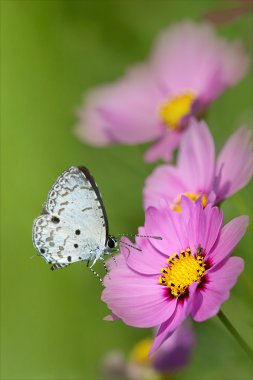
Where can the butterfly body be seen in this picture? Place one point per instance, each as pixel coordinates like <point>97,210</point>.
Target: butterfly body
<point>73,225</point>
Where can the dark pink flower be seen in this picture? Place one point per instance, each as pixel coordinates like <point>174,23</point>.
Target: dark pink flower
<point>198,174</point>
<point>189,67</point>
<point>189,271</point>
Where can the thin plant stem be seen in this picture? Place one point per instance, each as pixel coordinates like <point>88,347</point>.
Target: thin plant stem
<point>235,334</point>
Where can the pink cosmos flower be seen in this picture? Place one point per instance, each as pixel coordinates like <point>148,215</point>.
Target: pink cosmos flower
<point>189,271</point>
<point>189,67</point>
<point>198,174</point>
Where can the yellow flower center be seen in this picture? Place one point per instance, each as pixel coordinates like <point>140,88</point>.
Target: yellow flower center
<point>176,205</point>
<point>183,270</point>
<point>139,353</point>
<point>175,108</point>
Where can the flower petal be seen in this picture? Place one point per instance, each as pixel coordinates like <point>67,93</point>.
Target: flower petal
<point>111,317</point>
<point>190,56</point>
<point>122,112</point>
<point>176,351</point>
<point>170,226</point>
<point>207,300</point>
<point>167,328</point>
<point>204,225</point>
<point>165,182</point>
<point>197,158</point>
<point>229,237</point>
<point>235,163</point>
<point>138,300</point>
<point>148,261</point>
<point>164,147</point>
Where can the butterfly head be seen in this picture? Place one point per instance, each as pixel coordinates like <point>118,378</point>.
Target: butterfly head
<point>111,243</point>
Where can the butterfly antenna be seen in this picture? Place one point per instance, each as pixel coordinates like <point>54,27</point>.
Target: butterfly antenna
<point>143,236</point>
<point>128,251</point>
<point>132,246</point>
<point>150,237</point>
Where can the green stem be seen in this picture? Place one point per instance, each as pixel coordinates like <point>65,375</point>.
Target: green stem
<point>235,334</point>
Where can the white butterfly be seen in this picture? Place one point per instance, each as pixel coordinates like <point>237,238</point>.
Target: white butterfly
<point>73,225</point>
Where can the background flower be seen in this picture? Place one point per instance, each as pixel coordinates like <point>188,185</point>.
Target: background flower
<point>172,356</point>
<point>188,68</point>
<point>175,353</point>
<point>198,174</point>
<point>189,271</point>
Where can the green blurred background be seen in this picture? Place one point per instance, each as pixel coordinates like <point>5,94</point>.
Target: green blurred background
<point>53,51</point>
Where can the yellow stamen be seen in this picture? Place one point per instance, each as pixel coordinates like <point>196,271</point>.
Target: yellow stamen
<point>176,205</point>
<point>176,108</point>
<point>183,270</point>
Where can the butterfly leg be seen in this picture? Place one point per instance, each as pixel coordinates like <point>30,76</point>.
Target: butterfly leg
<point>113,257</point>
<point>97,275</point>
<point>106,269</point>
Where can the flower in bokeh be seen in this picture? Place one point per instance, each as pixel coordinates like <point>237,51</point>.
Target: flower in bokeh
<point>175,353</point>
<point>188,271</point>
<point>188,68</point>
<point>172,356</point>
<point>197,174</point>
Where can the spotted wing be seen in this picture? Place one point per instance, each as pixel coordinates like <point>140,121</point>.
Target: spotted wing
<point>73,225</point>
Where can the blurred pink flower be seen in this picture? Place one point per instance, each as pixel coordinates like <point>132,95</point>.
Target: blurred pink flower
<point>174,354</point>
<point>197,174</point>
<point>189,271</point>
<point>189,67</point>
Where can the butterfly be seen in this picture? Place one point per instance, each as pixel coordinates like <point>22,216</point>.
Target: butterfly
<point>73,224</point>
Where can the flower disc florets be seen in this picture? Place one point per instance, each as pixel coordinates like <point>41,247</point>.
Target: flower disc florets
<point>182,271</point>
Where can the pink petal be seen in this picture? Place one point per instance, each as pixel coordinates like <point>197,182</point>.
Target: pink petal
<point>207,301</point>
<point>197,158</point>
<point>149,261</point>
<point>122,112</point>
<point>235,62</point>
<point>111,318</point>
<point>229,237</point>
<point>165,182</point>
<point>235,163</point>
<point>190,57</point>
<point>164,147</point>
<point>204,225</point>
<point>167,328</point>
<point>170,226</point>
<point>138,300</point>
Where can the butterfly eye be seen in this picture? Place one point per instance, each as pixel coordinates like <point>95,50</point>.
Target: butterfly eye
<point>111,242</point>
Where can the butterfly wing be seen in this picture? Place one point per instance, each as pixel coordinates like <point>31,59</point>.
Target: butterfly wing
<point>73,224</point>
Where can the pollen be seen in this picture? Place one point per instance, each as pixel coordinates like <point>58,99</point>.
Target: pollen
<point>176,205</point>
<point>175,109</point>
<point>183,270</point>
